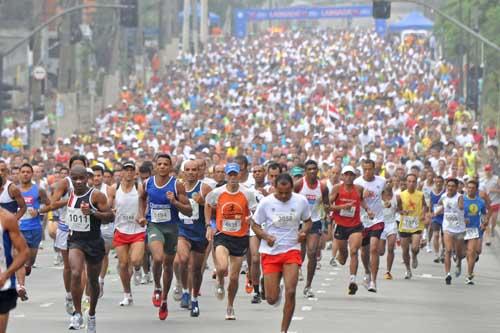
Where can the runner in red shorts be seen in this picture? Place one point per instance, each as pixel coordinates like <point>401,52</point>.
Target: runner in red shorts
<point>281,214</point>
<point>129,234</point>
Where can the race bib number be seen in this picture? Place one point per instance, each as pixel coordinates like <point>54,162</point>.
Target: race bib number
<point>452,219</point>
<point>410,222</point>
<point>194,217</point>
<point>77,221</point>
<point>284,220</point>
<point>348,212</point>
<point>471,233</point>
<point>160,215</point>
<point>231,225</point>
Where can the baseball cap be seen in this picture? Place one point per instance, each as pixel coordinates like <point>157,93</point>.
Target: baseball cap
<point>468,145</point>
<point>232,167</point>
<point>296,171</point>
<point>488,167</point>
<point>129,164</point>
<point>347,169</point>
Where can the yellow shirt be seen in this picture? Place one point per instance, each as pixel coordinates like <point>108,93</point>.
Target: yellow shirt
<point>471,163</point>
<point>16,143</point>
<point>413,204</point>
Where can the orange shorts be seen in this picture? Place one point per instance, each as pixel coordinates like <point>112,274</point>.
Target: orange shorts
<point>273,263</point>
<point>120,239</point>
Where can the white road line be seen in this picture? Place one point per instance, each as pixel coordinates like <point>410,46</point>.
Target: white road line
<point>321,292</point>
<point>429,276</point>
<point>314,299</point>
<point>46,305</point>
<point>307,308</point>
<point>21,315</point>
<point>297,318</point>
<point>333,273</point>
<point>329,279</point>
<point>325,285</point>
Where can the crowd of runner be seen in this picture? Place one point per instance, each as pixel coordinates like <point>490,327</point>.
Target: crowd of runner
<point>253,156</point>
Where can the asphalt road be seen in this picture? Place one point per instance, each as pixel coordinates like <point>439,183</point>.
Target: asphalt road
<point>423,304</point>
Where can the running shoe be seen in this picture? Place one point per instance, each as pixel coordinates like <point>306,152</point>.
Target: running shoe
<point>21,292</point>
<point>101,289</point>
<point>195,310</point>
<point>68,304</point>
<point>230,314</point>
<point>468,280</point>
<point>185,300</point>
<point>308,293</point>
<point>177,293</point>
<point>366,281</point>
<point>163,312</point>
<point>458,270</point>
<point>447,280</point>
<point>127,301</point>
<point>414,262</point>
<point>156,297</point>
<point>408,275</point>
<point>220,293</point>
<point>76,322</point>
<point>91,324</point>
<point>146,278</point>
<point>333,262</point>
<point>388,276</point>
<point>248,286</point>
<point>137,277</point>
<point>372,287</point>
<point>256,299</point>
<point>353,287</point>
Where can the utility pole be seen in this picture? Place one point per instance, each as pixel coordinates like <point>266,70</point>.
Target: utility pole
<point>194,26</point>
<point>185,26</point>
<point>67,73</point>
<point>204,23</point>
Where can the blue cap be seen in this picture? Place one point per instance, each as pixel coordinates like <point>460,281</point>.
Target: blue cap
<point>232,167</point>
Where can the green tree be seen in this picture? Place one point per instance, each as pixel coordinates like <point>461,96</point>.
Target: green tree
<point>484,16</point>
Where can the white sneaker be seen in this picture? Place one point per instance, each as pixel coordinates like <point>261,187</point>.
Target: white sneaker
<point>68,304</point>
<point>127,301</point>
<point>230,314</point>
<point>146,278</point>
<point>308,293</point>
<point>428,248</point>
<point>408,275</point>
<point>91,325</point>
<point>220,293</point>
<point>76,322</point>
<point>137,277</point>
<point>177,293</point>
<point>101,289</point>
<point>366,281</point>
<point>244,267</point>
<point>58,259</point>
<point>372,287</point>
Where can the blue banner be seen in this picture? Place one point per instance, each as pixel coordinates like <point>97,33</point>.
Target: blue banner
<point>243,16</point>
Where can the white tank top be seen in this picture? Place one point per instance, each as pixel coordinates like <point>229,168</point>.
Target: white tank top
<point>453,220</point>
<point>314,198</point>
<point>127,206</point>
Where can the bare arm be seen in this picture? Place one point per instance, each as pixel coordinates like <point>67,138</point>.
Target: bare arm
<point>15,193</point>
<point>44,199</point>
<point>103,212</point>
<point>9,223</point>
<point>61,188</point>
<point>324,196</point>
<point>182,201</point>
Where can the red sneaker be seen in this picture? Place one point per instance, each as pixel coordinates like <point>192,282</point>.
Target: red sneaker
<point>156,298</point>
<point>163,313</point>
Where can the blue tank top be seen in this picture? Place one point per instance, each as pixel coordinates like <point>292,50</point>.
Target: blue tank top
<point>193,227</point>
<point>6,201</point>
<point>434,201</point>
<point>159,208</point>
<point>474,209</point>
<point>6,258</point>
<point>32,199</point>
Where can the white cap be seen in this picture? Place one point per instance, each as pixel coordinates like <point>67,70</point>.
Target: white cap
<point>347,169</point>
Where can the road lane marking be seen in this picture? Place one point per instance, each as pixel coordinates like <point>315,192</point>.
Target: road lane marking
<point>333,273</point>
<point>21,315</point>
<point>297,318</point>
<point>329,279</point>
<point>307,308</point>
<point>325,285</point>
<point>321,292</point>
<point>46,305</point>
<point>314,299</point>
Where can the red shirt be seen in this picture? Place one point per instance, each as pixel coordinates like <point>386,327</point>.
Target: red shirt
<point>345,217</point>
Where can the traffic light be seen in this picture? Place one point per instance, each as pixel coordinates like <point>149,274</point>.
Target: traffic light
<point>381,9</point>
<point>129,17</point>
<point>5,96</point>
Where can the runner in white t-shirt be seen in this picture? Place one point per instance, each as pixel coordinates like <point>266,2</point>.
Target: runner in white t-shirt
<point>372,193</point>
<point>276,221</point>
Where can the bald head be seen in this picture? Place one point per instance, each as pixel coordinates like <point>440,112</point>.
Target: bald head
<point>78,170</point>
<point>191,170</point>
